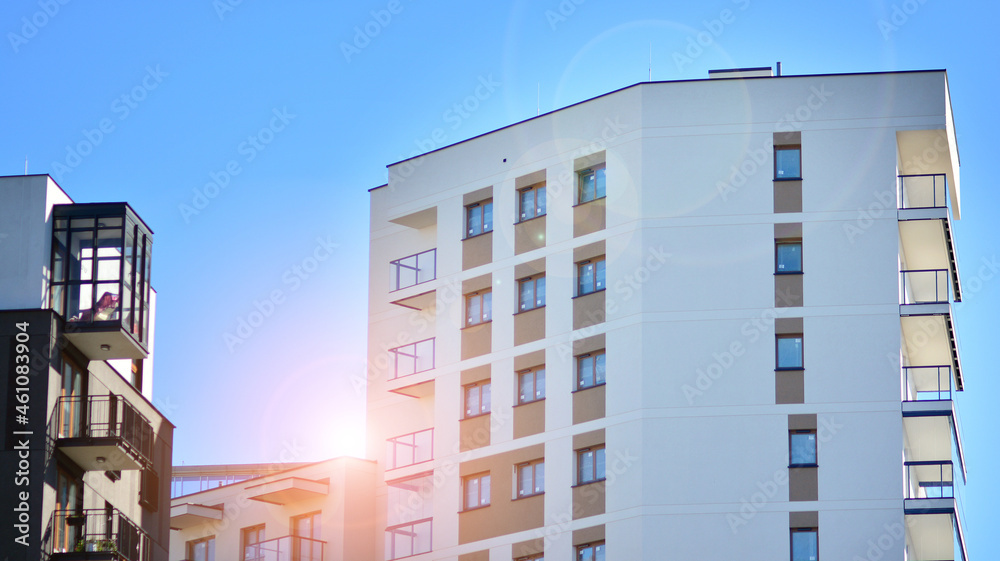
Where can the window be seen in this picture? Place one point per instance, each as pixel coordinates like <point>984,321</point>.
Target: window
<point>251,538</point>
<point>591,184</point>
<point>477,399</point>
<point>788,256</point>
<point>478,308</point>
<point>307,527</point>
<point>805,544</point>
<point>405,540</point>
<point>531,385</point>
<point>479,218</point>
<point>590,552</point>
<point>802,448</point>
<point>788,162</point>
<point>530,478</point>
<point>589,465</point>
<point>535,557</point>
<point>412,358</point>
<point>531,293</point>
<point>789,351</point>
<point>477,491</point>
<point>201,549</point>
<point>590,370</point>
<point>590,276</point>
<point>409,449</point>
<point>531,201</point>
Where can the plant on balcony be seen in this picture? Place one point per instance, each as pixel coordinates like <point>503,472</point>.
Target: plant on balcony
<point>89,545</point>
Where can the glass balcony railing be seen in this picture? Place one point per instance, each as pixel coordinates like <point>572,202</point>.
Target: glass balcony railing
<point>102,531</point>
<point>923,191</point>
<point>925,286</point>
<point>414,269</point>
<point>927,383</point>
<point>286,548</point>
<point>930,480</point>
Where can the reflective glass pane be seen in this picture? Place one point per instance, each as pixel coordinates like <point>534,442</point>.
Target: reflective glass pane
<point>487,217</point>
<point>803,448</point>
<point>600,189</point>
<point>539,201</point>
<point>790,352</point>
<point>600,275</point>
<point>527,204</point>
<point>539,384</point>
<point>487,306</point>
<point>599,369</point>
<point>600,470</point>
<point>787,162</point>
<point>804,546</point>
<point>586,186</point>
<point>789,257</point>
<point>585,371</point>
<point>586,466</point>
<point>527,295</point>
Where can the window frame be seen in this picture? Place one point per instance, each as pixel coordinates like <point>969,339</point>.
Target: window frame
<point>778,243</point>
<point>778,363</point>
<point>533,557</point>
<point>804,530</point>
<point>481,388</point>
<point>534,466</point>
<point>787,148</point>
<point>209,549</point>
<point>533,281</point>
<point>581,174</point>
<point>484,315</point>
<point>479,207</point>
<point>580,549</point>
<point>260,530</point>
<point>538,191</point>
<point>595,451</point>
<point>815,447</point>
<point>478,478</point>
<point>533,372</point>
<point>579,367</point>
<point>600,270</point>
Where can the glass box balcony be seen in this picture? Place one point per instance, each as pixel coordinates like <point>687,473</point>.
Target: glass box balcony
<point>99,278</point>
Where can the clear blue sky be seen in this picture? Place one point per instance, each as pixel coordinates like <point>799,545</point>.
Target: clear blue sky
<point>184,90</point>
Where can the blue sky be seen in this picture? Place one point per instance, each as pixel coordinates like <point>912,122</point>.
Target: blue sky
<point>246,133</point>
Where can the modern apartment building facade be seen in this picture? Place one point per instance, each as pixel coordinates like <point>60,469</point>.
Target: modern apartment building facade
<point>86,457</point>
<point>697,319</point>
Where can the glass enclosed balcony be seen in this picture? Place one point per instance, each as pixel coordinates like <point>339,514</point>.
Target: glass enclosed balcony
<point>99,278</point>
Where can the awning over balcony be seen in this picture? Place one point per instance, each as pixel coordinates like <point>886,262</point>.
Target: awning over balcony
<point>189,514</point>
<point>289,490</point>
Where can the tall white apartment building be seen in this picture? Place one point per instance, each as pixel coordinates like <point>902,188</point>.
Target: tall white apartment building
<point>695,319</point>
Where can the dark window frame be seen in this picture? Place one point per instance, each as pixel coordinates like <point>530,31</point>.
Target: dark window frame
<point>777,351</point>
<point>533,372</point>
<point>478,387</point>
<point>788,148</point>
<point>581,460</point>
<point>600,264</point>
<point>538,191</point>
<point>595,170</point>
<point>815,447</point>
<point>804,530</point>
<point>533,281</point>
<point>260,531</point>
<point>483,316</point>
<point>580,549</point>
<point>480,208</point>
<point>533,466</point>
<point>593,375</point>
<point>777,260</point>
<point>191,544</point>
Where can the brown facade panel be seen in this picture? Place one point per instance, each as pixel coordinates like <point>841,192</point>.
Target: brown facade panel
<point>477,195</point>
<point>589,344</point>
<point>803,519</point>
<point>789,137</point>
<point>788,291</point>
<point>588,535</point>
<point>531,360</point>
<point>787,196</point>
<point>473,433</point>
<point>529,235</point>
<point>477,340</point>
<point>589,217</point>
<point>589,310</point>
<point>589,251</point>
<point>477,250</point>
<point>529,326</point>
<point>529,269</point>
<point>483,555</point>
<point>784,230</point>
<point>529,547</point>
<point>588,439</point>
<point>788,326</point>
<point>803,484</point>
<point>529,419</point>
<point>588,404</point>
<point>504,516</point>
<point>588,500</point>
<point>789,386</point>
<point>477,374</point>
<point>802,422</point>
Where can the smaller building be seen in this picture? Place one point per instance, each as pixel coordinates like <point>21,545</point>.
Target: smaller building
<point>321,511</point>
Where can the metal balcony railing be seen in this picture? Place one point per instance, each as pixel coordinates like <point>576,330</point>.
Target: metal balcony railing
<point>929,480</point>
<point>285,548</point>
<point>925,286</point>
<point>927,383</point>
<point>96,531</point>
<point>923,191</point>
<point>412,359</point>
<point>414,269</point>
<point>104,416</point>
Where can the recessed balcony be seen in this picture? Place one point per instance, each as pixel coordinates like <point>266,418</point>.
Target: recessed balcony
<point>410,278</point>
<point>925,231</point>
<point>95,535</point>
<point>102,433</point>
<point>932,511</point>
<point>99,278</point>
<point>286,548</point>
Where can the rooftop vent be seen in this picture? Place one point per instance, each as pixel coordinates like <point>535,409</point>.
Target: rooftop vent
<point>761,71</point>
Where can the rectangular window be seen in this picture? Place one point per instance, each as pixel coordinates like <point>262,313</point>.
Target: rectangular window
<point>405,540</point>
<point>412,358</point>
<point>531,293</point>
<point>591,184</point>
<point>590,552</point>
<point>531,201</point>
<point>789,351</point>
<point>477,491</point>
<point>788,162</point>
<point>309,546</point>
<point>409,449</point>
<point>477,399</point>
<point>802,448</point>
<point>202,549</point>
<point>590,276</point>
<point>788,256</point>
<point>479,218</point>
<point>478,308</point>
<point>531,478</point>
<point>589,465</point>
<point>531,385</point>
<point>251,538</point>
<point>535,557</point>
<point>805,544</point>
<point>590,370</point>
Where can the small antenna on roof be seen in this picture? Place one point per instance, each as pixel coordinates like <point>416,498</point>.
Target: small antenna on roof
<point>779,68</point>
<point>650,61</point>
<point>25,165</point>
<point>538,102</point>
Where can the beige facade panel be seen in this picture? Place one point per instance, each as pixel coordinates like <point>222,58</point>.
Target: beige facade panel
<point>802,422</point>
<point>531,360</point>
<point>529,269</point>
<point>477,340</point>
<point>588,404</point>
<point>590,217</point>
<point>589,251</point>
<point>588,500</point>
<point>477,374</point>
<point>803,484</point>
<point>529,419</point>
<point>789,386</point>
<point>786,326</point>
<point>530,180</point>
<point>588,439</point>
<point>787,196</point>
<point>788,291</point>
<point>589,309</point>
<point>473,433</point>
<point>589,344</point>
<point>475,284</point>
<point>588,535</point>
<point>477,196</point>
<point>529,326</point>
<point>803,519</point>
<point>529,547</point>
<point>785,230</point>
<point>589,160</point>
<point>477,251</point>
<point>483,555</point>
<point>504,515</point>
<point>791,137</point>
<point>529,235</point>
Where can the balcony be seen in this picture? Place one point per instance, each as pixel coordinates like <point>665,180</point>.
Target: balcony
<point>410,370</point>
<point>286,548</point>
<point>928,328</point>
<point>99,278</point>
<point>103,433</point>
<point>95,535</point>
<point>932,508</point>
<point>925,226</point>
